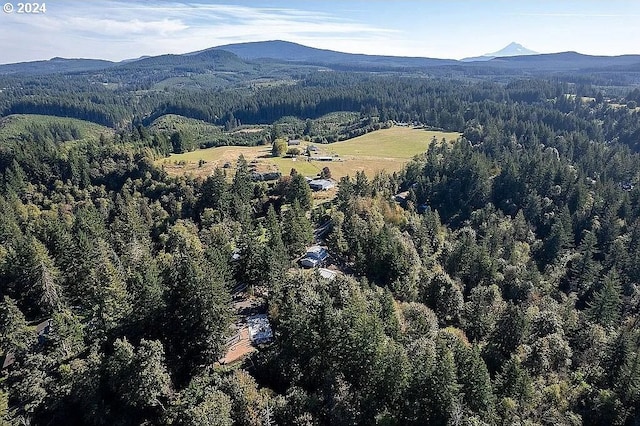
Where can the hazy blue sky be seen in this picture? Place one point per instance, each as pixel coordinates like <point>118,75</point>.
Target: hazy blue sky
<point>444,29</point>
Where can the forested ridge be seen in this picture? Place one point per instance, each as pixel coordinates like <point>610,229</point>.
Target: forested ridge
<point>504,290</point>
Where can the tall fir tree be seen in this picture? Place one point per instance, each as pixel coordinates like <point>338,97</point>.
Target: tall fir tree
<point>605,306</point>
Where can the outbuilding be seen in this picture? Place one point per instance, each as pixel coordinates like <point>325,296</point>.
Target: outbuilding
<point>321,184</point>
<point>327,274</point>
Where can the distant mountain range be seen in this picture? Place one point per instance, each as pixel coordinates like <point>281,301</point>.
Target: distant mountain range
<point>293,52</point>
<point>260,57</point>
<point>512,49</point>
<point>55,65</point>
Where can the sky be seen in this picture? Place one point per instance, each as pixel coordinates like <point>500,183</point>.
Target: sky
<point>117,30</point>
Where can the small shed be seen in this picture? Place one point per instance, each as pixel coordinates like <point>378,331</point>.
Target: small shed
<point>321,158</point>
<point>327,274</point>
<point>321,184</point>
<point>293,142</point>
<point>259,177</point>
<point>401,197</point>
<point>271,175</point>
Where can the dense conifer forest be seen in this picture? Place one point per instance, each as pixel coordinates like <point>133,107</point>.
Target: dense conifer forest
<point>504,289</point>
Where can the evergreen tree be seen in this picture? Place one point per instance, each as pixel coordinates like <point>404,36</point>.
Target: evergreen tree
<point>144,284</point>
<point>361,186</point>
<point>510,331</point>
<point>389,316</point>
<point>138,376</point>
<point>475,383</point>
<point>213,189</point>
<point>420,321</point>
<point>604,307</point>
<point>214,409</point>
<point>15,336</point>
<point>254,261</point>
<point>336,240</point>
<point>584,271</point>
<point>36,278</point>
<point>346,193</point>
<point>482,311</point>
<point>277,258</point>
<point>297,230</point>
<point>197,314</point>
<point>299,190</point>
<point>241,185</point>
<point>443,387</point>
<point>107,301</point>
<point>559,239</point>
<point>514,384</point>
<point>67,334</point>
<point>444,296</point>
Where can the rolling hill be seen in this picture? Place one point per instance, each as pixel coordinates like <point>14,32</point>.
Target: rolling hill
<point>55,66</point>
<point>292,52</point>
<point>277,57</point>
<point>566,61</point>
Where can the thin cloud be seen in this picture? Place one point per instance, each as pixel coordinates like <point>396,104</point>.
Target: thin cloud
<point>576,15</point>
<point>111,27</point>
<point>169,27</point>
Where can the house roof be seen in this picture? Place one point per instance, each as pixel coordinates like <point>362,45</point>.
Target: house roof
<point>313,256</point>
<point>321,183</point>
<point>309,262</point>
<point>317,252</point>
<point>43,327</point>
<point>327,273</point>
<point>259,328</point>
<point>9,359</point>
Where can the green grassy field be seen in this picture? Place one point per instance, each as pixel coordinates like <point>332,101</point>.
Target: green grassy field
<point>307,168</point>
<point>14,125</point>
<point>222,153</point>
<point>396,142</point>
<point>387,149</point>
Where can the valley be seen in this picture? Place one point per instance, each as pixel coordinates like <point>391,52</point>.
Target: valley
<point>263,233</point>
<point>382,150</point>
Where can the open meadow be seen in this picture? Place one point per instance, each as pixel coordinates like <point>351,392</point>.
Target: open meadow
<point>386,149</point>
